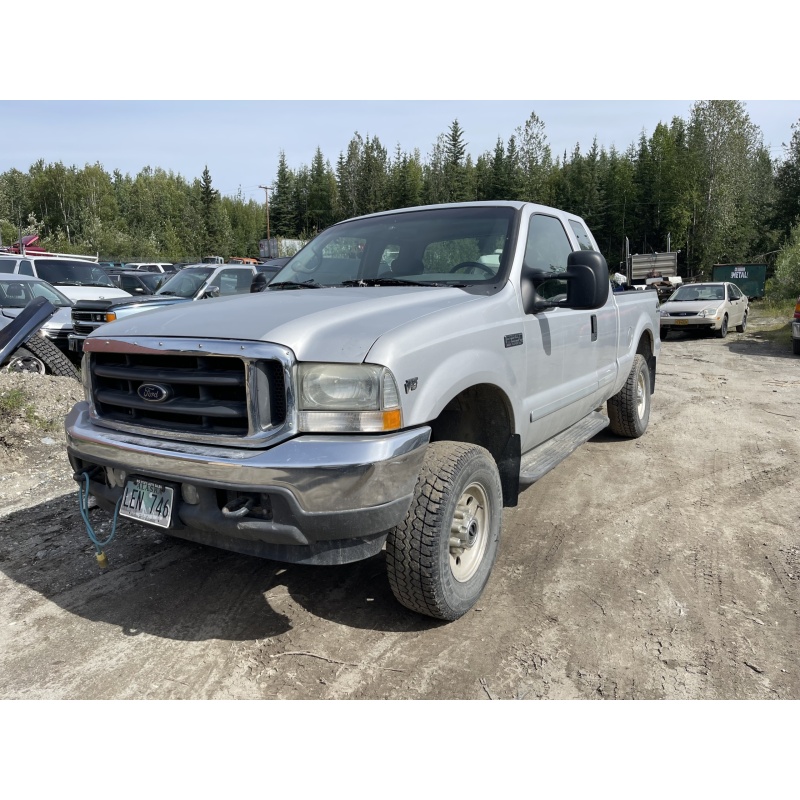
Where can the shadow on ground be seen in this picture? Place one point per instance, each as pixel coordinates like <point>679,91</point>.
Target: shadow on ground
<point>179,590</point>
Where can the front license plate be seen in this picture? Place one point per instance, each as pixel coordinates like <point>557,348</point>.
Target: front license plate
<point>147,502</point>
<point>681,322</point>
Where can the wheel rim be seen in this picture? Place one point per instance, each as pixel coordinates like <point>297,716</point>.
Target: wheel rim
<point>27,364</point>
<point>469,532</point>
<point>641,394</point>
<point>744,323</point>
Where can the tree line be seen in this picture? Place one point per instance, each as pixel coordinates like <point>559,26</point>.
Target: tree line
<point>705,186</point>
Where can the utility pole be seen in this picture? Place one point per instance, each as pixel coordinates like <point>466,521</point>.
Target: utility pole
<point>269,245</point>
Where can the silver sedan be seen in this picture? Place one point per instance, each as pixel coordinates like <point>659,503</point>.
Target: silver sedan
<point>705,307</point>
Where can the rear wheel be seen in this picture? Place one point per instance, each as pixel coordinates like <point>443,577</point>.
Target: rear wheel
<point>796,346</point>
<point>743,327</point>
<point>439,558</point>
<point>629,409</point>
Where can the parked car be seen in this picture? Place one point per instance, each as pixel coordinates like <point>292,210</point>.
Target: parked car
<point>244,260</point>
<point>17,291</point>
<point>705,307</point>
<point>195,282</point>
<point>796,329</point>
<point>158,266</point>
<point>266,272</point>
<point>136,281</point>
<point>77,279</point>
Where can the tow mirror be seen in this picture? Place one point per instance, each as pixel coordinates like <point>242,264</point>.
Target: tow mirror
<point>587,280</point>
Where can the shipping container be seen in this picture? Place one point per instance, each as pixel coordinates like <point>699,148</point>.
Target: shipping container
<point>750,278</point>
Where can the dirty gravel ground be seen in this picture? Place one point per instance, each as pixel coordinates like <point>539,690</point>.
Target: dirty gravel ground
<point>667,567</point>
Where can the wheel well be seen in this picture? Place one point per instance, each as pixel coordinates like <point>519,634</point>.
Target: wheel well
<point>645,348</point>
<point>483,415</point>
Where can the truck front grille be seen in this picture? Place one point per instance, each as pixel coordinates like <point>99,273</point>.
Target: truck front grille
<point>193,396</point>
<point>84,322</point>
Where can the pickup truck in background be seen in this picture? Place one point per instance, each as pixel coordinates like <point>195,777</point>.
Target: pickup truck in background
<point>397,384</point>
<point>194,282</point>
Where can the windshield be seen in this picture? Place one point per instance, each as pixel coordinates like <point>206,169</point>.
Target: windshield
<point>151,279</point>
<point>72,273</point>
<point>434,247</point>
<point>699,292</point>
<point>17,294</point>
<point>186,282</point>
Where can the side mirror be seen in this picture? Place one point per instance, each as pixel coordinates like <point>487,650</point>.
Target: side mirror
<point>211,292</point>
<point>587,280</point>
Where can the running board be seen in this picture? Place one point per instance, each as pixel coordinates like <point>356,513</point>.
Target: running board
<point>539,461</point>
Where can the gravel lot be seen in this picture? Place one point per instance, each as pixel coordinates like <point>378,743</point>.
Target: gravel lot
<point>666,567</point>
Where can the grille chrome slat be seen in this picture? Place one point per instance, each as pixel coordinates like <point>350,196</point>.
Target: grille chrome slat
<point>224,410</point>
<point>199,377</point>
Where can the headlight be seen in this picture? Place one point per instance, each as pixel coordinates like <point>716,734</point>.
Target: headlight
<point>347,398</point>
<point>709,312</point>
<point>664,313</point>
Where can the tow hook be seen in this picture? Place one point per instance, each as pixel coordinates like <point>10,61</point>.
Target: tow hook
<point>240,507</point>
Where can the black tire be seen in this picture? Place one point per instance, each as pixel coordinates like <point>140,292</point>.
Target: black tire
<point>743,327</point>
<point>39,351</point>
<point>723,329</point>
<point>796,346</point>
<point>428,572</point>
<point>664,333</point>
<point>629,409</point>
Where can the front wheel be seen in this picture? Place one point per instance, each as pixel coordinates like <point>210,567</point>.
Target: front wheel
<point>629,409</point>
<point>723,329</point>
<point>743,327</point>
<point>664,333</point>
<point>439,558</point>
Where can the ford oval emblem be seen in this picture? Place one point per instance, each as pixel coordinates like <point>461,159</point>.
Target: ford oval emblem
<point>154,392</point>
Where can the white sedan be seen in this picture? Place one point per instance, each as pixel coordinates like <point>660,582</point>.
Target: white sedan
<point>705,307</point>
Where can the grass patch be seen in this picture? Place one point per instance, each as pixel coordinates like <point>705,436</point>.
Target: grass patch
<point>14,401</point>
<point>18,403</point>
<point>775,308</point>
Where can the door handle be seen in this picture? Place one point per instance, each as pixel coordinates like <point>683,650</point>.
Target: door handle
<point>594,327</point>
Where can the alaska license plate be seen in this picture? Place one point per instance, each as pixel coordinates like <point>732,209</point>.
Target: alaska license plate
<point>148,502</point>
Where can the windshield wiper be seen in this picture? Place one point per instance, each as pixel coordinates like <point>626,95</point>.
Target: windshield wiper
<point>309,284</point>
<point>386,282</point>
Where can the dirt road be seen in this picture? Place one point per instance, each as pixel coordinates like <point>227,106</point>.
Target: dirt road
<point>666,567</point>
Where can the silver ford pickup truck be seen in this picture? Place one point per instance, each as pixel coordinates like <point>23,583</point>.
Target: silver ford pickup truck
<point>398,383</point>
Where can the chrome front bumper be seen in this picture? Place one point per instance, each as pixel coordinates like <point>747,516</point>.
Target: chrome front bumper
<point>325,493</point>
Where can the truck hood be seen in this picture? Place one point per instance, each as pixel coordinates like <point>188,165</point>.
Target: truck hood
<point>334,324</point>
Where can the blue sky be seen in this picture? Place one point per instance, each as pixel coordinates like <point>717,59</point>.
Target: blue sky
<point>240,140</point>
